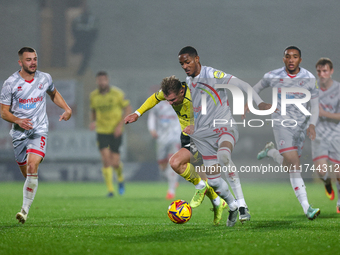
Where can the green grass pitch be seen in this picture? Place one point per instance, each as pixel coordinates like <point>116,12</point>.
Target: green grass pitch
<point>77,218</point>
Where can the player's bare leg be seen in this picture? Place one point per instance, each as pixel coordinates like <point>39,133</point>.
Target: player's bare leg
<point>180,163</point>
<point>291,162</point>
<point>23,170</point>
<point>30,185</point>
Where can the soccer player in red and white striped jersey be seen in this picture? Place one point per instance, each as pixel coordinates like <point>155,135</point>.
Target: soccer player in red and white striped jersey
<point>290,138</point>
<point>23,103</point>
<point>326,146</point>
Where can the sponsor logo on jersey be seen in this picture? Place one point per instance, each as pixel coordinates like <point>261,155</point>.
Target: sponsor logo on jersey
<point>209,93</point>
<point>219,74</point>
<point>327,106</point>
<point>19,88</point>
<point>289,95</point>
<point>29,103</point>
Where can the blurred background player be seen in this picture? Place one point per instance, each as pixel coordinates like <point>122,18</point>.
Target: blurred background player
<point>23,103</point>
<point>85,31</point>
<point>108,109</point>
<point>290,139</point>
<point>183,162</point>
<point>326,145</point>
<point>164,126</point>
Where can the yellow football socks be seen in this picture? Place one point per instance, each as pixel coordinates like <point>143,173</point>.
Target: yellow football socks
<point>108,177</point>
<point>191,175</point>
<point>211,194</point>
<point>119,172</point>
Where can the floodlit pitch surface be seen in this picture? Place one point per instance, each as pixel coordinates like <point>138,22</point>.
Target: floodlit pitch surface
<point>77,218</point>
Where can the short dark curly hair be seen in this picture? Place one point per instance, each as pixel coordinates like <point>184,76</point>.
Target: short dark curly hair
<point>292,48</point>
<point>188,50</point>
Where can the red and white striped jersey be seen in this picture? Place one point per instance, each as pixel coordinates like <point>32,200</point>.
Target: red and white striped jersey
<point>27,99</point>
<point>329,100</point>
<point>279,79</point>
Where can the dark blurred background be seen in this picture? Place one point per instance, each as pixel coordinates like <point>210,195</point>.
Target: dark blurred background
<point>137,43</point>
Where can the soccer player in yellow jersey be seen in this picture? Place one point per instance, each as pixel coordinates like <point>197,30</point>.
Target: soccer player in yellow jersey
<point>178,95</point>
<point>108,109</point>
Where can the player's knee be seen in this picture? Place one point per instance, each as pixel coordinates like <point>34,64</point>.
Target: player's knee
<point>291,163</point>
<point>115,164</point>
<point>106,164</point>
<point>175,162</point>
<point>32,168</point>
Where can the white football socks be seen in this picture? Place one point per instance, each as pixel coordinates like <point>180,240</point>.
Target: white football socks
<point>216,201</point>
<point>235,184</point>
<point>299,188</point>
<point>224,158</point>
<point>275,154</point>
<point>29,191</point>
<point>221,188</point>
<point>200,185</point>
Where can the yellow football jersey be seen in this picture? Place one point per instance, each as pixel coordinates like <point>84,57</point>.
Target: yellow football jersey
<point>109,109</point>
<point>184,111</point>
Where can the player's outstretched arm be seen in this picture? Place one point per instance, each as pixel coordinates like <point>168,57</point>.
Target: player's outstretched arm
<point>255,96</point>
<point>147,105</point>
<point>8,116</point>
<point>59,101</point>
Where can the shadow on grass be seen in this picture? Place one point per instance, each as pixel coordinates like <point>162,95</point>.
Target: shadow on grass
<point>186,234</point>
<point>89,221</point>
<point>10,226</point>
<point>271,225</point>
<point>105,198</point>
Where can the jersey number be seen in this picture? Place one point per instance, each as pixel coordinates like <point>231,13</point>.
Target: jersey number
<point>42,142</point>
